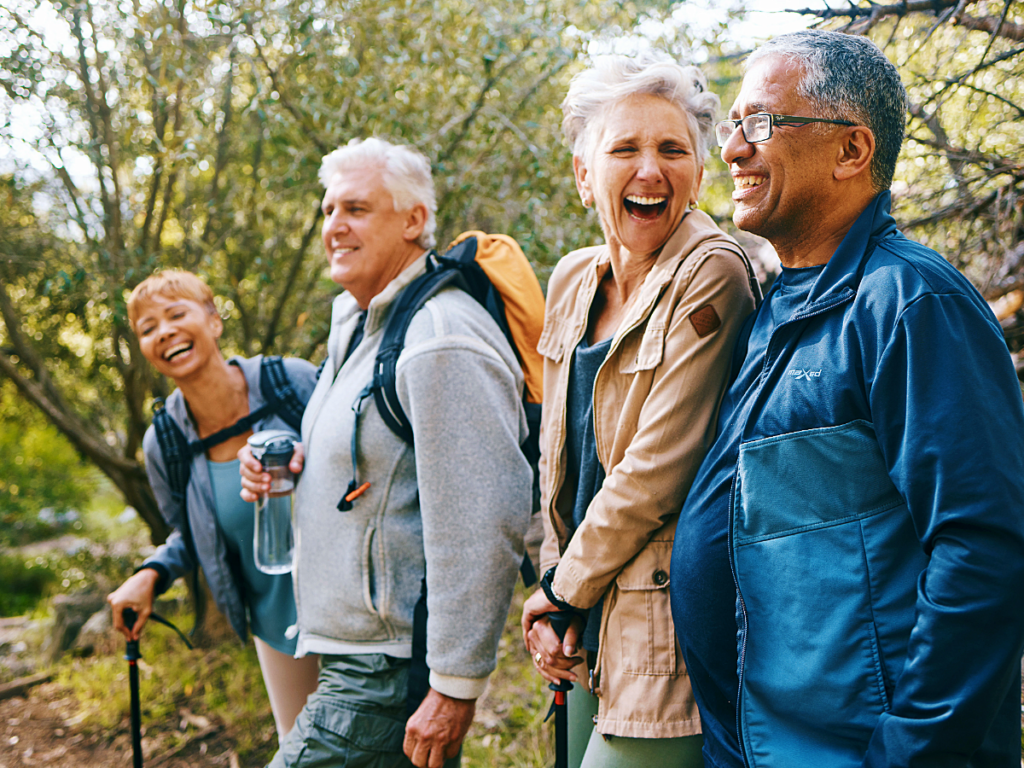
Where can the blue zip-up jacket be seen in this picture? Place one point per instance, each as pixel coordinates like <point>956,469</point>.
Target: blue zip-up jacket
<point>848,571</point>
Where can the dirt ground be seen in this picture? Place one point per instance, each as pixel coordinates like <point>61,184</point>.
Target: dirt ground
<point>40,730</point>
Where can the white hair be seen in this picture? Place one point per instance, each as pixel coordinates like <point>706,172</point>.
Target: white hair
<point>405,173</point>
<point>614,78</point>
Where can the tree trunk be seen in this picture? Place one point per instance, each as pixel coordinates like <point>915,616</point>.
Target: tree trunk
<point>134,486</point>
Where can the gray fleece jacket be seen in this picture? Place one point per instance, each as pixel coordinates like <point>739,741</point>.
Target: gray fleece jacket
<point>172,558</point>
<point>455,507</point>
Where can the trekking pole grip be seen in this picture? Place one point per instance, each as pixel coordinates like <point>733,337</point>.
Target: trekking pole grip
<point>560,621</point>
<point>131,651</point>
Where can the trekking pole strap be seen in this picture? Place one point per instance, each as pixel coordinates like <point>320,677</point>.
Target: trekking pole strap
<point>161,620</point>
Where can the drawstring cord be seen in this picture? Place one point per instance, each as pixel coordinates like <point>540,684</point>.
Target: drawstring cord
<point>355,490</point>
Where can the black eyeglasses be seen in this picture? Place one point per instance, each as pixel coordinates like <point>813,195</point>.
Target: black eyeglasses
<point>758,127</point>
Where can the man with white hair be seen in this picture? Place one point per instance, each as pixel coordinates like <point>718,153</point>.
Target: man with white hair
<point>446,515</point>
<point>848,571</point>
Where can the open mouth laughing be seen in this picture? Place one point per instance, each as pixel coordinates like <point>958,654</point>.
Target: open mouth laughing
<point>642,207</point>
<point>177,349</point>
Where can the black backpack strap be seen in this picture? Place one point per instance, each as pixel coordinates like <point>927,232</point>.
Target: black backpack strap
<point>242,425</point>
<point>419,672</point>
<point>175,449</point>
<point>408,303</point>
<point>279,393</point>
<point>280,399</point>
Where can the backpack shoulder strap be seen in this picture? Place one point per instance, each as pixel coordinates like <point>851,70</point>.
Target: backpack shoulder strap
<point>408,303</point>
<point>279,393</point>
<point>177,454</point>
<point>176,451</point>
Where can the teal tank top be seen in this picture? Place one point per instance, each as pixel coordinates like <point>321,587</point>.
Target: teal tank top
<point>269,599</point>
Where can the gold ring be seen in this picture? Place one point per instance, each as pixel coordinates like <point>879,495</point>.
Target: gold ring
<point>538,656</point>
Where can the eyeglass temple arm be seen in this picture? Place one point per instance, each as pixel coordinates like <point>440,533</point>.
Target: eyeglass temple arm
<point>783,119</point>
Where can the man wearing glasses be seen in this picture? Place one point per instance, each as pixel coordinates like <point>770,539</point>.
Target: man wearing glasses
<point>848,571</point>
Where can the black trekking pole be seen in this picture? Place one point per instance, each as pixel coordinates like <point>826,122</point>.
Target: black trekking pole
<point>132,655</point>
<point>560,623</point>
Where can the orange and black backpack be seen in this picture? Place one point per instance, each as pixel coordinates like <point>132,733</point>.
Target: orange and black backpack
<point>493,270</point>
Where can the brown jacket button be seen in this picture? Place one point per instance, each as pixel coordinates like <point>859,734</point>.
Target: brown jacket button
<point>660,577</point>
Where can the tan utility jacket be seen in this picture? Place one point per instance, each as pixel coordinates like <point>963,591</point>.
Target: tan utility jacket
<point>656,399</point>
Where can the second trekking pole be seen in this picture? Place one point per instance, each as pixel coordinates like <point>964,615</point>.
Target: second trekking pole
<point>560,623</point>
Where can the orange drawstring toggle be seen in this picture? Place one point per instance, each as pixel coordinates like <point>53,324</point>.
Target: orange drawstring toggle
<point>358,492</point>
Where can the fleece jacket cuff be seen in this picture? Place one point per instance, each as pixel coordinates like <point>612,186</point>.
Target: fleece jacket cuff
<point>458,687</point>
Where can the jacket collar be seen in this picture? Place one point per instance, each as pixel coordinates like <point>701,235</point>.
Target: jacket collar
<point>346,310</point>
<point>695,228</point>
<point>378,309</point>
<point>843,271</point>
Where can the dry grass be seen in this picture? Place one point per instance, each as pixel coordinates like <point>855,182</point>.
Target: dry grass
<point>221,685</point>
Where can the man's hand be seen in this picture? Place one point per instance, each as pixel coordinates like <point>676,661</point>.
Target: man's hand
<point>435,731</point>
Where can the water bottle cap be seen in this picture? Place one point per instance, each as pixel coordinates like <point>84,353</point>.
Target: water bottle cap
<point>273,446</point>
<point>279,451</point>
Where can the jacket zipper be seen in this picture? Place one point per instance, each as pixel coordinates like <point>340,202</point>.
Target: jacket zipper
<point>743,615</point>
<point>595,673</point>
<point>843,298</point>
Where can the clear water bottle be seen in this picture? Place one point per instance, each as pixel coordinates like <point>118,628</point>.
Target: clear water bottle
<point>273,542</point>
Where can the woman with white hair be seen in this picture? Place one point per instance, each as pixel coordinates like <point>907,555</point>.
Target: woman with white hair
<point>637,341</point>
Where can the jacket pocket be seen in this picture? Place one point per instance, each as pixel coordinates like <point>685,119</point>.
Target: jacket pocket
<point>369,577</point>
<point>815,518</point>
<point>640,634</point>
<point>642,351</point>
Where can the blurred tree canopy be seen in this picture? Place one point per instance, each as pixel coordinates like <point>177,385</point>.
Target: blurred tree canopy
<point>157,133</point>
<point>143,134</point>
<point>38,469</point>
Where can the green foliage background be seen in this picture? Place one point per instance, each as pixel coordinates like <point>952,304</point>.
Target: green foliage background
<point>38,469</point>
<point>173,133</point>
<point>154,133</point>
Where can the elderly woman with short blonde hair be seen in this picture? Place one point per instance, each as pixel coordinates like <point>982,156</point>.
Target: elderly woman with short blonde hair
<point>637,341</point>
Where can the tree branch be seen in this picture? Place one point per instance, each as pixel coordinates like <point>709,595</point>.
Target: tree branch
<point>310,131</point>
<point>89,448</point>
<point>875,11</point>
<point>222,149</point>
<point>872,13</point>
<point>91,110</point>
<point>289,284</point>
<point>996,26</point>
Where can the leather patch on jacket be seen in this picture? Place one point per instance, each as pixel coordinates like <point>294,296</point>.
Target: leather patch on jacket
<point>705,320</point>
